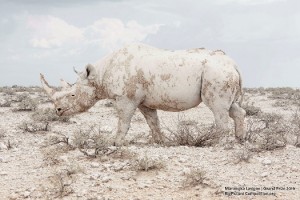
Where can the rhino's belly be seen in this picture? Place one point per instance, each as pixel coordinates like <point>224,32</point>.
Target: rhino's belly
<point>172,100</point>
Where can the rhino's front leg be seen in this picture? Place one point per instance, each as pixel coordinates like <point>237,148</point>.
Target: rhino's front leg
<point>125,109</point>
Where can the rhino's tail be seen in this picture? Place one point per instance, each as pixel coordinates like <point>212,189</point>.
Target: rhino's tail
<point>240,93</point>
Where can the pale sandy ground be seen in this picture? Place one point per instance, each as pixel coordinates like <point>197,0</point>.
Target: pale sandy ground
<point>24,173</point>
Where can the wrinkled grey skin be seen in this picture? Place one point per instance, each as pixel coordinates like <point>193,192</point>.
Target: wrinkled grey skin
<point>143,77</point>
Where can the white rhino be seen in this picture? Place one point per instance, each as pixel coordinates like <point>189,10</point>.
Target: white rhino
<point>144,77</point>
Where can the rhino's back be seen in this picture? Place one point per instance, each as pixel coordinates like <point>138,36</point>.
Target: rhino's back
<point>168,80</point>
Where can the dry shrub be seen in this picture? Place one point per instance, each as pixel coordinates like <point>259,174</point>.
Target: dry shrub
<point>33,127</point>
<point>296,127</point>
<point>281,103</point>
<point>19,97</point>
<point>189,133</point>
<point>54,146</point>
<point>260,91</point>
<point>5,102</point>
<point>9,145</point>
<point>282,93</point>
<point>48,114</point>
<point>194,177</point>
<point>2,133</point>
<point>145,163</point>
<point>26,104</point>
<point>57,138</point>
<point>122,153</point>
<point>73,168</point>
<point>93,142</point>
<point>251,110</point>
<point>17,88</point>
<point>8,91</point>
<point>268,131</point>
<point>286,94</point>
<point>61,185</point>
<point>242,155</point>
<point>51,155</point>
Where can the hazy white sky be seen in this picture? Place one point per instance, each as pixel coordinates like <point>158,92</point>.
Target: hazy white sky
<point>51,37</point>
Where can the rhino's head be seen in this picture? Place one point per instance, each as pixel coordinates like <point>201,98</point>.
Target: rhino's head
<point>76,98</point>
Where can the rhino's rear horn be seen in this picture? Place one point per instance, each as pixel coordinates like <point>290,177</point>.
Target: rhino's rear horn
<point>65,84</point>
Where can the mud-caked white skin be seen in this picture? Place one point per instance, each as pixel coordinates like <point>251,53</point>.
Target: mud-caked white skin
<point>151,79</point>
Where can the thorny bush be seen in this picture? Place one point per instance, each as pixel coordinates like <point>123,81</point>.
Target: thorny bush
<point>189,133</point>
<point>268,131</point>
<point>93,142</point>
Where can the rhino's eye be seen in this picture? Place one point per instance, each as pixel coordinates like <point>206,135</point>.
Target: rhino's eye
<point>73,95</point>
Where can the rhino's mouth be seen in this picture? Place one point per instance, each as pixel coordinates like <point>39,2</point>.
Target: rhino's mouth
<point>64,111</point>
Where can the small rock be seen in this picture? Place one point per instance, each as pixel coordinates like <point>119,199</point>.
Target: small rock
<point>94,176</point>
<point>82,193</point>
<point>26,194</point>
<point>105,179</point>
<point>95,165</point>
<point>294,169</point>
<point>3,146</point>
<point>3,173</point>
<point>160,187</point>
<point>266,162</point>
<point>185,171</point>
<point>107,128</point>
<point>182,160</point>
<point>113,148</point>
<point>142,186</point>
<point>264,174</point>
<point>14,196</point>
<point>107,166</point>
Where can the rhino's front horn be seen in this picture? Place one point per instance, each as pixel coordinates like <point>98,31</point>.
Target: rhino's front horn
<point>46,86</point>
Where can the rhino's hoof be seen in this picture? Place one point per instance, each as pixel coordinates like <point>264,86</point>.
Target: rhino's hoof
<point>118,143</point>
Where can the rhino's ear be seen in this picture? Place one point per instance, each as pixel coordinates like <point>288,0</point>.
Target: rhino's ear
<point>90,72</point>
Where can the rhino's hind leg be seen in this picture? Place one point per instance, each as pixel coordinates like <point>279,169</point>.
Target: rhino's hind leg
<point>238,115</point>
<point>153,122</point>
<point>220,110</point>
<point>125,109</point>
<point>221,120</point>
